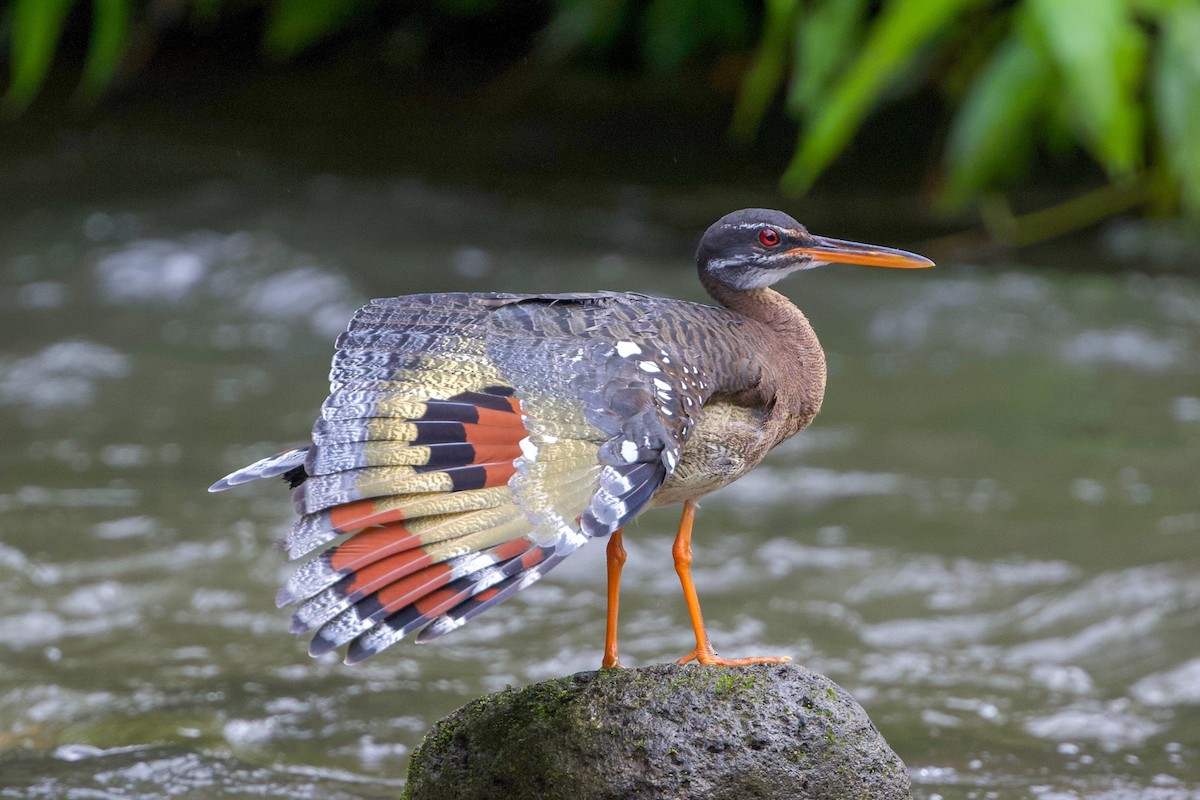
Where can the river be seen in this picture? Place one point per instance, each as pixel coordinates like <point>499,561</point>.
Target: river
<point>990,536</point>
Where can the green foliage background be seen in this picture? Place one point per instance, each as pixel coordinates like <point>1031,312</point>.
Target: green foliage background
<point>1118,79</point>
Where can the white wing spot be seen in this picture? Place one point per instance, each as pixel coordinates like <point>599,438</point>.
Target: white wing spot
<point>568,541</point>
<point>629,451</point>
<point>627,349</point>
<point>663,385</point>
<point>446,624</point>
<point>610,480</point>
<point>529,580</point>
<point>648,366</point>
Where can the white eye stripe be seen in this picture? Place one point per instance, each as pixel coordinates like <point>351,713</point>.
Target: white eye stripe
<point>747,226</point>
<point>767,260</point>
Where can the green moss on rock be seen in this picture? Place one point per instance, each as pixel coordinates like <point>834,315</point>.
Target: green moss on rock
<point>765,731</point>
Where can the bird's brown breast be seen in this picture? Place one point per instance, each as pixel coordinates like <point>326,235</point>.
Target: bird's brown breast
<point>733,432</point>
<point>729,440</point>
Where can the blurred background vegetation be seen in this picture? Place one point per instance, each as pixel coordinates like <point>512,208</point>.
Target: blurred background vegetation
<point>991,536</point>
<point>993,93</point>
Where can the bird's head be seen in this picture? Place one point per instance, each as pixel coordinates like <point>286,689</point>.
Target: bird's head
<point>754,247</point>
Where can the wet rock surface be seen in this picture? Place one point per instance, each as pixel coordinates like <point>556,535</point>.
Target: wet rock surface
<point>667,731</point>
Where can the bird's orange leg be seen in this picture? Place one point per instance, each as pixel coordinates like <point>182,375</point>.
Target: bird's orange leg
<point>616,560</point>
<point>704,652</point>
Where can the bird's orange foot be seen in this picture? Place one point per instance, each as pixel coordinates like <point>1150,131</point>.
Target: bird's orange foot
<point>611,663</point>
<point>708,657</point>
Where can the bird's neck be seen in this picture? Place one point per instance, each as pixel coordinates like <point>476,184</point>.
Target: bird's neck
<point>768,307</point>
<point>791,351</point>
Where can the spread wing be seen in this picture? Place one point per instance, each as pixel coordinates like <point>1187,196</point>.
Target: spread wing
<point>469,443</point>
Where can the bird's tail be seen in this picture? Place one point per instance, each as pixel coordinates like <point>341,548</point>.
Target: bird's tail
<point>289,464</point>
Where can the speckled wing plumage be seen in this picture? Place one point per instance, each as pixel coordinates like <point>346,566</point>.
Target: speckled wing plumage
<point>471,442</point>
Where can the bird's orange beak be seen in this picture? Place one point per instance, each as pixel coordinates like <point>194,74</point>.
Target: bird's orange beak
<point>839,251</point>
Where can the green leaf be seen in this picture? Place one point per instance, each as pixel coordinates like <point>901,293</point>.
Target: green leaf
<point>110,33</point>
<point>581,23</point>
<point>1100,52</point>
<point>36,28</point>
<point>670,36</point>
<point>901,29</point>
<point>993,131</point>
<point>1156,8</point>
<point>762,80</point>
<point>674,30</point>
<point>297,24</point>
<point>827,36</point>
<point>1176,92</point>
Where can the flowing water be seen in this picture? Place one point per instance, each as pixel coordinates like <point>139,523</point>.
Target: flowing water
<point>990,536</point>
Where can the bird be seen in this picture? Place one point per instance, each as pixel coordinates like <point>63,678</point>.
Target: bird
<point>472,441</point>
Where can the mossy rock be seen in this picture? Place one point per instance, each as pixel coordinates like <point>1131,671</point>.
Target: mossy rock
<point>764,731</point>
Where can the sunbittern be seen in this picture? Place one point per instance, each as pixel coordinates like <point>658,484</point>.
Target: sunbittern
<point>470,442</point>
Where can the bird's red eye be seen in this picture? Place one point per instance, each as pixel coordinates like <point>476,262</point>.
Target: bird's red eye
<point>769,237</point>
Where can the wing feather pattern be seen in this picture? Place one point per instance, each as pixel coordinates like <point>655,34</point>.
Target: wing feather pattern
<point>469,443</point>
